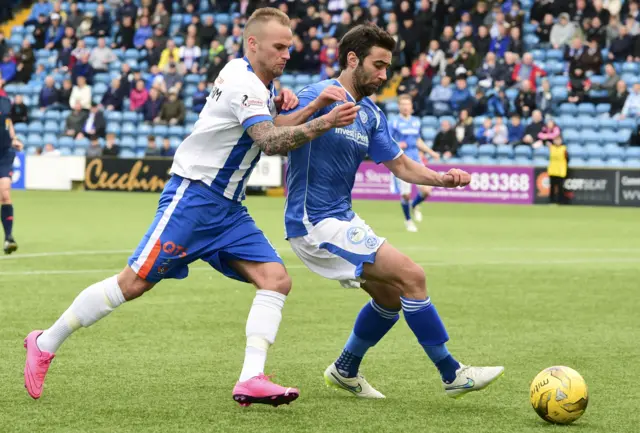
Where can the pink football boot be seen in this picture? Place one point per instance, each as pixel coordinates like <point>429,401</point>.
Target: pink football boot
<point>37,365</point>
<point>260,389</point>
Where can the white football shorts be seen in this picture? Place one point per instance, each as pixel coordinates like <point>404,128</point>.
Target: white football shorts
<point>337,250</point>
<point>399,186</point>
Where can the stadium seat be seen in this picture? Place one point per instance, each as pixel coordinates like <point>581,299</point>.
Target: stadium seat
<point>303,79</point>
<point>468,150</point>
<point>128,128</point>
<point>523,151</point>
<point>428,134</point>
<point>571,135</point>
<point>128,142</point>
<point>541,152</point>
<point>576,151</point>
<point>82,143</point>
<point>36,127</point>
<point>487,160</point>
<point>144,129</point>
<point>577,162</point>
<point>567,108</point>
<point>624,135</point>
<point>505,152</point>
<point>632,163</point>
<point>522,161</point>
<point>192,117</point>
<point>129,116</point>
<point>615,163</point>
<point>66,141</point>
<point>558,81</point>
<point>391,106</point>
<point>468,159</point>
<point>632,153</point>
<point>559,94</point>
<point>36,114</point>
<point>51,126</point>
<point>114,128</point>
<point>608,135</point>
<point>21,128</point>
<point>52,115</point>
<point>486,150</point>
<point>50,138</point>
<point>141,142</point>
<point>587,135</point>
<point>586,108</point>
<point>176,131</point>
<point>594,151</point>
<point>429,121</point>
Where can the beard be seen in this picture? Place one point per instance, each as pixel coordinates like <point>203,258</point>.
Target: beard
<point>362,83</point>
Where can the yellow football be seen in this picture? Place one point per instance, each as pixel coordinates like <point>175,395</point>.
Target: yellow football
<point>559,395</point>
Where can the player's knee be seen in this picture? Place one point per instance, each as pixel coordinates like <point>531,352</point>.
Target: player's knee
<point>5,197</point>
<point>414,282</point>
<point>406,197</point>
<point>131,285</point>
<point>280,282</point>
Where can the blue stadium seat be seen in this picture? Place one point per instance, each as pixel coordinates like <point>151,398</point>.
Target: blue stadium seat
<point>630,67</point>
<point>452,120</point>
<point>522,161</point>
<point>523,151</point>
<point>129,116</point>
<point>430,121</point>
<point>66,141</point>
<point>52,115</point>
<point>36,114</point>
<point>627,123</point>
<point>586,108</point>
<point>559,94</point>
<point>594,151</point>
<point>596,162</point>
<point>141,142</point>
<point>468,150</point>
<point>511,94</point>
<point>31,150</point>
<point>303,79</point>
<point>131,53</point>
<point>615,163</point>
<point>538,55</point>
<point>127,153</point>
<point>114,128</point>
<point>571,135</point>
<point>128,142</point>
<point>391,106</point>
<point>160,130</point>
<point>577,162</point>
<point>567,108</point>
<point>632,163</point>
<point>428,134</point>
<point>80,151</point>
<point>287,80</point>
<point>607,123</point>
<point>555,55</point>
<point>144,129</point>
<point>176,131</point>
<point>175,142</point>
<point>576,151</point>
<point>102,77</point>
<point>558,81</point>
<point>632,153</point>
<point>486,150</point>
<point>541,152</point>
<point>468,160</point>
<point>505,151</point>
<point>21,128</point>
<point>82,143</point>
<point>51,126</point>
<point>129,128</point>
<point>624,135</point>
<point>486,160</point>
<point>608,135</point>
<point>113,116</point>
<point>50,138</point>
<point>504,161</point>
<point>65,150</point>
<point>588,135</point>
<point>192,117</point>
<point>36,127</point>
<point>540,162</point>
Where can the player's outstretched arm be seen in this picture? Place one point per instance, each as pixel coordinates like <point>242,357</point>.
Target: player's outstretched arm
<point>308,107</point>
<point>410,171</point>
<point>274,140</point>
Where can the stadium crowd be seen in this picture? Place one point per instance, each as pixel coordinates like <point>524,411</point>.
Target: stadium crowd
<point>84,76</point>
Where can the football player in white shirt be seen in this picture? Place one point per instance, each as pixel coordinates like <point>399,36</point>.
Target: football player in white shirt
<point>200,213</point>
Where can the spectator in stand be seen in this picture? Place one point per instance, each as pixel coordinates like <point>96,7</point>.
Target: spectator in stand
<point>190,56</point>
<point>152,148</point>
<point>500,132</point>
<point>526,99</point>
<point>440,97</point>
<point>82,68</point>
<point>25,62</point>
<point>234,38</point>
<point>111,148</point>
<point>312,61</point>
<point>527,70</point>
<point>618,98</point>
<point>113,97</point>
<point>40,32</point>
<point>74,17</point>
<point>436,58</point>
<point>591,60</point>
<point>534,128</point>
<point>544,98</point>
<point>464,128</point>
<point>50,150</point>
<point>631,106</point>
<point>138,96</point>
<point>517,44</point>
<point>171,54</point>
<point>75,121</point>
<point>543,31</point>
<point>151,108</point>
<point>65,59</point>
<point>167,151</point>
<point>173,79</point>
<point>81,94</point>
<point>200,97</point>
<point>173,111</point>
<point>95,124</point>
<point>143,33</point>
<point>621,47</point>
<point>573,53</point>
<point>480,103</point>
<point>516,130</point>
<point>468,58</point>
<point>515,16</point>
<point>485,133</point>
<point>101,22</point>
<point>101,56</point>
<point>7,68</point>
<point>550,131</point>
<point>460,97</point>
<point>19,111</point>
<point>482,41</point>
<point>150,53</point>
<point>578,86</point>
<point>562,32</point>
<point>94,150</point>
<point>208,32</point>
<point>123,39</point>
<point>597,32</point>
<point>160,16</point>
<point>42,7</point>
<point>78,52</point>
<point>64,95</point>
<point>54,34</point>
<point>446,144</point>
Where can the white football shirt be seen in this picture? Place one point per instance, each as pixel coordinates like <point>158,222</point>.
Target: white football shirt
<point>219,152</point>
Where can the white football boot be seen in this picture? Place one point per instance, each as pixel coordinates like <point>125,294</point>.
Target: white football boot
<point>411,226</point>
<point>417,214</point>
<point>357,386</point>
<point>470,379</point>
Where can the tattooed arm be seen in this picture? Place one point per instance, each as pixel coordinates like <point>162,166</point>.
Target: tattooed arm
<point>275,140</point>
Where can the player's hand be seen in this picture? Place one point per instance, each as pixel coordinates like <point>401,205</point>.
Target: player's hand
<point>342,114</point>
<point>403,145</point>
<point>17,145</point>
<point>286,100</point>
<point>331,94</point>
<point>455,178</point>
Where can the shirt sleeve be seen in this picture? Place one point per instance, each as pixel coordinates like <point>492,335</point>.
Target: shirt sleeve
<point>305,97</point>
<point>249,103</point>
<point>383,147</point>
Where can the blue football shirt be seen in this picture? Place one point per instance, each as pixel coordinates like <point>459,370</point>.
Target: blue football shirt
<point>321,173</point>
<point>407,130</point>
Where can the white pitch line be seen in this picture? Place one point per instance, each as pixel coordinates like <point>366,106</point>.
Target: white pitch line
<point>425,264</point>
<point>285,250</point>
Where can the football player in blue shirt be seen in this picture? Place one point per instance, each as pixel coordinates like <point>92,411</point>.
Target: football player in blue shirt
<point>334,242</point>
<point>405,130</point>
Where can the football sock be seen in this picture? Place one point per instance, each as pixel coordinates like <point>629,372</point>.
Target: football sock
<point>372,323</point>
<point>405,209</point>
<point>91,305</point>
<point>262,327</point>
<point>423,319</point>
<point>6,213</point>
<point>419,199</point>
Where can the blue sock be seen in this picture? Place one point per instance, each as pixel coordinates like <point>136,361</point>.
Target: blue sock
<point>406,209</point>
<point>419,199</point>
<point>6,214</point>
<point>372,323</point>
<point>423,319</point>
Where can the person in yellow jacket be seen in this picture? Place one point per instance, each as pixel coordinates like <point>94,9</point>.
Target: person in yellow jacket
<point>557,170</point>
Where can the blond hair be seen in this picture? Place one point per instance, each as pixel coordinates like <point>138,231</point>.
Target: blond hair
<point>263,16</point>
<point>405,96</point>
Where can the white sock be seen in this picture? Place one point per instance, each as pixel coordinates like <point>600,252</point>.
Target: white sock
<point>262,327</point>
<point>91,305</point>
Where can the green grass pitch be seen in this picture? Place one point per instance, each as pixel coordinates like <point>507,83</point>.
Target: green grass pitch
<point>523,287</point>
